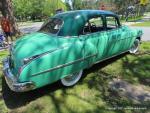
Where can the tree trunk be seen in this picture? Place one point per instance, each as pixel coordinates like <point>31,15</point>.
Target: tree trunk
<point>6,9</point>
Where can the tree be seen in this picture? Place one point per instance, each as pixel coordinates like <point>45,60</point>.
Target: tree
<point>82,4</point>
<point>70,4</point>
<point>25,9</point>
<point>143,4</point>
<point>6,9</point>
<point>36,9</point>
<point>21,9</point>
<point>77,4</point>
<point>148,7</point>
<point>51,6</point>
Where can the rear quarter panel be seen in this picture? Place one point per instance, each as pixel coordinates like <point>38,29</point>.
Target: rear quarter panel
<point>69,54</point>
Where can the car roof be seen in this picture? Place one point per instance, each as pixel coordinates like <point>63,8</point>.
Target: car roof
<point>73,21</point>
<point>87,13</point>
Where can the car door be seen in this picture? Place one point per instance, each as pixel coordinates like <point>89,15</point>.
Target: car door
<point>95,38</point>
<point>114,34</point>
<point>126,38</point>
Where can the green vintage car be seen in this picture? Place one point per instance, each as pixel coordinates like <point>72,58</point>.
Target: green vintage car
<point>65,45</point>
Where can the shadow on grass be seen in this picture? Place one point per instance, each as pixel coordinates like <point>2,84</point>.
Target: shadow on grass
<point>97,82</point>
<point>114,100</point>
<point>101,65</point>
<point>137,68</point>
<point>15,100</point>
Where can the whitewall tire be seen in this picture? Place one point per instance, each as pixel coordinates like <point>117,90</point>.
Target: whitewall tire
<point>135,47</point>
<point>72,79</point>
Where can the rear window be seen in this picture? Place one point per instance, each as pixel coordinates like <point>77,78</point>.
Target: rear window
<point>53,26</point>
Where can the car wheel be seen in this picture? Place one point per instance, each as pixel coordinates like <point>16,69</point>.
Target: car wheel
<point>135,47</point>
<point>72,79</point>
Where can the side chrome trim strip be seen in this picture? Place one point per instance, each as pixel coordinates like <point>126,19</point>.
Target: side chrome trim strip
<point>110,57</point>
<point>64,65</point>
<point>47,52</point>
<point>42,54</point>
<point>79,60</point>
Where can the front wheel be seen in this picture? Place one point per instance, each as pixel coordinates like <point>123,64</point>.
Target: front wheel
<point>72,79</point>
<point>135,47</point>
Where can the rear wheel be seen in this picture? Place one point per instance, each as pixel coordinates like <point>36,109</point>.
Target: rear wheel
<point>135,47</point>
<point>72,79</point>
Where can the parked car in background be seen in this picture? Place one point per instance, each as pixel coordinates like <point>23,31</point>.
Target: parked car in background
<point>65,45</point>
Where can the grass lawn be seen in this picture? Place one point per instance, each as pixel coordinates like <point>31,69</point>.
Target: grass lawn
<point>90,95</point>
<point>143,24</point>
<point>131,19</point>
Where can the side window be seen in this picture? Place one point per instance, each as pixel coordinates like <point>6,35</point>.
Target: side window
<point>93,25</point>
<point>112,23</point>
<point>96,22</point>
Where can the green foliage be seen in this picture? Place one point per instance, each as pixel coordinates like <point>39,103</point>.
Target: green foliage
<point>145,24</point>
<point>36,9</point>
<point>148,7</point>
<point>68,6</point>
<point>51,6</point>
<point>77,4</point>
<point>83,4</point>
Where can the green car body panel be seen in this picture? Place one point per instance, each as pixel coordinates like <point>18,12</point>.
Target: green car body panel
<point>54,57</point>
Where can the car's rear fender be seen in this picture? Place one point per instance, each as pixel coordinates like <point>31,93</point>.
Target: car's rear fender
<point>56,65</point>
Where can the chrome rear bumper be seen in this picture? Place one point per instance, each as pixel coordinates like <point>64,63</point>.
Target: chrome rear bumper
<point>12,81</point>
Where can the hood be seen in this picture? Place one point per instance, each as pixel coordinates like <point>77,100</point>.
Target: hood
<point>34,44</point>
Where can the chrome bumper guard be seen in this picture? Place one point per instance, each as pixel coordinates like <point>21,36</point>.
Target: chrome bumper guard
<point>12,82</point>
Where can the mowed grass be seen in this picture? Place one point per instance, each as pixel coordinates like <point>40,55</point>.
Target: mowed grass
<point>3,107</point>
<point>90,95</point>
<point>3,54</point>
<point>142,24</point>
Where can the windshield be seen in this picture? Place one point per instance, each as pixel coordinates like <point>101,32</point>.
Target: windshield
<point>53,25</point>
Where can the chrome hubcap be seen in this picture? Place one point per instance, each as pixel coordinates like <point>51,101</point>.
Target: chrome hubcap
<point>72,79</point>
<point>134,48</point>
